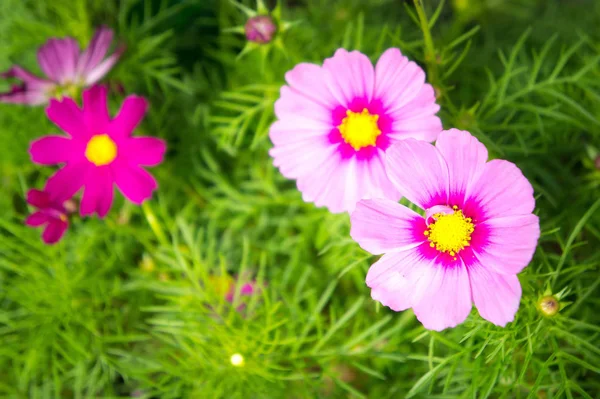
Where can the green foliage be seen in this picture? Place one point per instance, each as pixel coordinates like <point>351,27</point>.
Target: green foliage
<point>131,305</point>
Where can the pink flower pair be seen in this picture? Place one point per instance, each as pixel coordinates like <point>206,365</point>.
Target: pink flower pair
<point>357,138</point>
<point>98,152</point>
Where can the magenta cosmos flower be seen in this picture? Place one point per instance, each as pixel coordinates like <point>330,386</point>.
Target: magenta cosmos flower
<point>98,151</point>
<point>477,234</point>
<point>50,212</point>
<point>66,68</point>
<point>335,123</point>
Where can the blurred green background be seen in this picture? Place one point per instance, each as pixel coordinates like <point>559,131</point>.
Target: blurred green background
<point>133,305</point>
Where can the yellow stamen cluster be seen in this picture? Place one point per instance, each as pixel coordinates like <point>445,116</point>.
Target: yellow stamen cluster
<point>101,150</point>
<point>360,129</point>
<point>450,233</point>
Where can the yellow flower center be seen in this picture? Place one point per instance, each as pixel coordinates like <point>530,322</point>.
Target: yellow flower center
<point>101,150</point>
<point>359,129</point>
<point>450,233</point>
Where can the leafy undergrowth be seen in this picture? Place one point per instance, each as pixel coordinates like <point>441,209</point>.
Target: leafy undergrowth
<point>131,306</point>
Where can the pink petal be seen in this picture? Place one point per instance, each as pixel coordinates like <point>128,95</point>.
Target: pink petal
<point>58,59</point>
<point>383,225</point>
<point>465,157</point>
<point>54,231</point>
<point>24,95</point>
<point>291,104</point>
<point>326,187</point>
<point>501,190</point>
<point>400,279</point>
<point>145,151</point>
<point>31,81</point>
<point>419,172</point>
<point>67,181</point>
<point>104,67</point>
<point>377,183</point>
<point>425,128</point>
<point>348,76</point>
<point>308,80</point>
<point>98,193</point>
<point>38,198</point>
<point>51,150</point>
<point>96,50</point>
<point>66,115</point>
<point>496,296</point>
<point>95,109</point>
<point>36,219</point>
<point>447,302</point>
<point>508,243</point>
<point>131,114</point>
<point>135,183</point>
<point>397,81</point>
<point>299,151</point>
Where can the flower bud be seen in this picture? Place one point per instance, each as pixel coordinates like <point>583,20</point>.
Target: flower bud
<point>260,29</point>
<point>549,305</point>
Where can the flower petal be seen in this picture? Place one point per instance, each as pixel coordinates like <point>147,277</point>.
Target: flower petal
<point>54,231</point>
<point>66,115</point>
<point>38,198</point>
<point>58,59</point>
<point>95,109</point>
<point>291,104</point>
<point>501,191</point>
<point>349,75</point>
<point>419,172</point>
<point>308,80</point>
<point>145,151</point>
<point>447,302</point>
<point>465,157</point>
<point>397,81</point>
<point>131,114</point>
<point>299,151</point>
<point>382,225</point>
<point>400,279</point>
<point>67,181</point>
<point>496,296</point>
<point>327,186</point>
<point>51,150</point>
<point>506,245</point>
<point>31,81</point>
<point>37,219</point>
<point>104,67</point>
<point>98,193</point>
<point>96,50</point>
<point>24,95</point>
<point>135,183</point>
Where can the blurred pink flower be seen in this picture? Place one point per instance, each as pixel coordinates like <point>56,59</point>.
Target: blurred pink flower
<point>336,122</point>
<point>477,234</point>
<point>65,67</point>
<point>98,151</point>
<point>50,213</point>
<point>247,289</point>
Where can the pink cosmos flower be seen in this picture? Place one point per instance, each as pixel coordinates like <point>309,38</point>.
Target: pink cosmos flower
<point>335,123</point>
<point>477,234</point>
<point>51,212</point>
<point>98,151</point>
<point>66,68</point>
